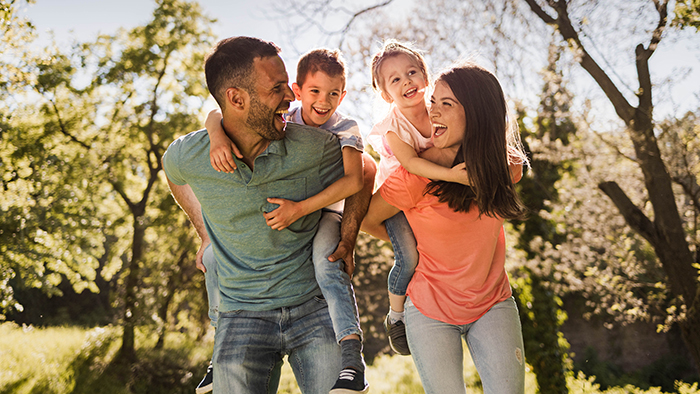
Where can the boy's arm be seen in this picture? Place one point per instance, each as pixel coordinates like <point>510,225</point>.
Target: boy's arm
<point>353,214</point>
<point>416,165</point>
<point>289,211</point>
<point>220,146</point>
<point>185,198</point>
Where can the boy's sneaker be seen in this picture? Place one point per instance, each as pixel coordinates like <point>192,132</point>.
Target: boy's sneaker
<point>397,336</point>
<point>207,384</point>
<point>350,382</point>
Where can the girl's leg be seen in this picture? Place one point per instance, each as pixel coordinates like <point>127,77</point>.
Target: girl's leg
<point>405,254</point>
<point>436,348</point>
<point>496,345</point>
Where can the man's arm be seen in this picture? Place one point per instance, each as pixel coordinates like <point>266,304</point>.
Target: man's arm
<point>185,198</point>
<point>355,209</point>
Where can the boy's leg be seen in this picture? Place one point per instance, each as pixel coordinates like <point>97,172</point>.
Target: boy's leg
<point>313,351</point>
<point>405,262</point>
<point>495,341</point>
<point>337,289</point>
<point>247,352</point>
<point>211,280</point>
<point>334,282</point>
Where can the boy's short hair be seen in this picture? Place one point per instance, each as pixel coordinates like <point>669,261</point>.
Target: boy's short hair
<point>230,64</point>
<point>393,48</point>
<point>330,61</point>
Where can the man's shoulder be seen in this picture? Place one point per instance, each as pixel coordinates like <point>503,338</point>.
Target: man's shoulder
<point>192,139</point>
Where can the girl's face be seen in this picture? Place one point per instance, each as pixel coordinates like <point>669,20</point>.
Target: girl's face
<point>447,116</point>
<point>403,82</point>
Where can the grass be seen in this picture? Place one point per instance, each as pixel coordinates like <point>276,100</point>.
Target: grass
<point>71,360</point>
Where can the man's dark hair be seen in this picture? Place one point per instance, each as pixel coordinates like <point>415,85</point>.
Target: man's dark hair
<point>230,64</point>
<point>329,61</point>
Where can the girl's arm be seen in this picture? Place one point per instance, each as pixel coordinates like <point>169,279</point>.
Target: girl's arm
<point>220,146</point>
<point>289,211</point>
<point>379,211</point>
<point>416,165</point>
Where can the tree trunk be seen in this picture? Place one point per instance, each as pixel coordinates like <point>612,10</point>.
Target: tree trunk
<point>127,353</point>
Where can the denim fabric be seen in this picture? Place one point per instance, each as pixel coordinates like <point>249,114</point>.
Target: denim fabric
<point>405,253</point>
<point>495,342</point>
<point>250,345</point>
<point>334,282</point>
<point>211,280</point>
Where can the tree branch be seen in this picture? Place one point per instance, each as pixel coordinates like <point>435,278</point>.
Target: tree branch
<point>562,23</point>
<point>634,216</point>
<point>644,54</point>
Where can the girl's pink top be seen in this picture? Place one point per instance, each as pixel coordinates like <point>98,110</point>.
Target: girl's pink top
<point>395,121</point>
<point>461,267</point>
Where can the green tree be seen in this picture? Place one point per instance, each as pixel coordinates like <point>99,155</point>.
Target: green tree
<point>110,108</point>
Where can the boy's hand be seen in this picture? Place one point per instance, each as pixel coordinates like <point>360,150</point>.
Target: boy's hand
<point>459,174</point>
<point>287,213</point>
<point>220,153</point>
<point>345,252</point>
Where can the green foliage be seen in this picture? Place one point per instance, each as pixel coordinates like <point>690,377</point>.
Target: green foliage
<point>687,14</point>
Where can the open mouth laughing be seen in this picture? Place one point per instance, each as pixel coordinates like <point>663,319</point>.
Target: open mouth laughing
<point>439,129</point>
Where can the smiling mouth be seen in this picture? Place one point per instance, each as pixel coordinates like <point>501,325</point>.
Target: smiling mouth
<point>322,112</point>
<point>410,92</point>
<point>439,129</point>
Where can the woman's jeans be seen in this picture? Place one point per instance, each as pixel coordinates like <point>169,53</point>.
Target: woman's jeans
<point>249,347</point>
<point>335,284</point>
<point>495,342</point>
<point>405,253</point>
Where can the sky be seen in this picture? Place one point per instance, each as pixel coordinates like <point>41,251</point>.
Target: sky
<point>84,19</point>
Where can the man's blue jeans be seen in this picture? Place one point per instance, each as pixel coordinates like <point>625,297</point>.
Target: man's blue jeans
<point>335,284</point>
<point>249,347</point>
<point>495,342</point>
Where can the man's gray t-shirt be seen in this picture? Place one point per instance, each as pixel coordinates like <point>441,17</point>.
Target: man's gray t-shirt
<point>259,268</point>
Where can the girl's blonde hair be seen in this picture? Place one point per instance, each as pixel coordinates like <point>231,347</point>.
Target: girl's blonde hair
<point>390,49</point>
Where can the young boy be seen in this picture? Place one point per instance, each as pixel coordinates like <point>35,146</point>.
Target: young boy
<point>320,86</point>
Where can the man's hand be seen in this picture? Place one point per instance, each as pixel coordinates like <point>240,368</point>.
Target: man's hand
<point>200,253</point>
<point>345,252</point>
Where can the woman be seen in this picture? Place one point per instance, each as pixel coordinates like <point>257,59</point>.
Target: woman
<point>460,288</point>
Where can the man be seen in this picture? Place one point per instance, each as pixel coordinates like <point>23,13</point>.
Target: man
<point>270,305</point>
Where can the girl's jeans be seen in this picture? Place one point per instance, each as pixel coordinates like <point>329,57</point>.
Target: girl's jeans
<point>405,253</point>
<point>495,342</point>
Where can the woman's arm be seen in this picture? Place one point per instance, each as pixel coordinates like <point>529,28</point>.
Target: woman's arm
<point>379,211</point>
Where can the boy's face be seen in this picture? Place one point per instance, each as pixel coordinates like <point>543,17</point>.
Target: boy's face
<point>320,97</point>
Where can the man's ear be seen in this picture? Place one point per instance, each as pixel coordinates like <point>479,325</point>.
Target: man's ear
<point>297,90</point>
<point>237,98</point>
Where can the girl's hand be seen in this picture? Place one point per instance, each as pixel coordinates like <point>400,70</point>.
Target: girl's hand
<point>287,213</point>
<point>458,174</point>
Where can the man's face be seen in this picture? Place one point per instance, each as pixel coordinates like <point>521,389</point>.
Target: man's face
<point>269,102</point>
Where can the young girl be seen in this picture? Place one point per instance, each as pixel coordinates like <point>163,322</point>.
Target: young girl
<point>400,75</point>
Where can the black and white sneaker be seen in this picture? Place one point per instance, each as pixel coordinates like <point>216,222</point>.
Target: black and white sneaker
<point>396,333</point>
<point>207,384</point>
<point>350,382</point>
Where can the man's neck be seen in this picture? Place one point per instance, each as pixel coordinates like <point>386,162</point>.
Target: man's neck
<point>249,143</point>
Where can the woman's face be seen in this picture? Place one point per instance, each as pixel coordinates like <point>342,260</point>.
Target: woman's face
<point>447,117</point>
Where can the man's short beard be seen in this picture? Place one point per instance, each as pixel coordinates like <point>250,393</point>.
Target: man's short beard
<point>261,118</point>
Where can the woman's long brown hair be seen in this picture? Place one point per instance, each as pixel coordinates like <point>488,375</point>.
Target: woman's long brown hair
<point>491,141</point>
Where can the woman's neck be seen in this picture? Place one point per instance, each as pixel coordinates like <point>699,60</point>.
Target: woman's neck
<point>419,118</point>
<point>440,156</point>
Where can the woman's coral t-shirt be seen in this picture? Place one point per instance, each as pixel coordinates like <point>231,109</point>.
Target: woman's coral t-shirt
<point>461,269</point>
